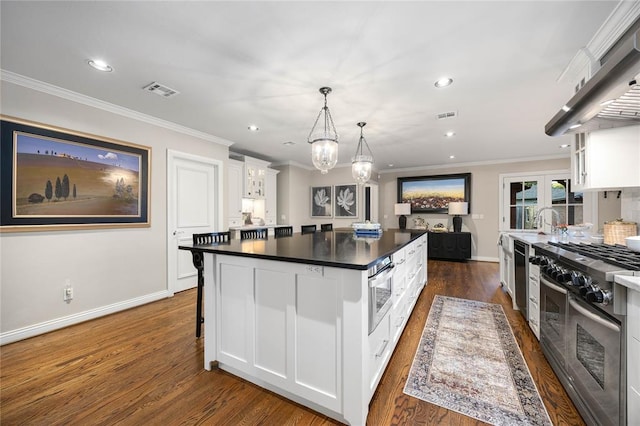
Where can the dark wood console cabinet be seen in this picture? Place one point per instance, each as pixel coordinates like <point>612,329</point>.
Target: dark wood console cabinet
<point>449,245</point>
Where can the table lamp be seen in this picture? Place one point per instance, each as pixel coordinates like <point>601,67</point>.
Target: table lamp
<point>456,209</point>
<point>402,209</point>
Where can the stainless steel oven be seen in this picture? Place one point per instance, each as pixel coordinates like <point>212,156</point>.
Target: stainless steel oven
<point>380,288</point>
<point>594,360</point>
<point>553,314</point>
<point>583,330</point>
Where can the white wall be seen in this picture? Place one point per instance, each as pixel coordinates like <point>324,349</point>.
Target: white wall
<point>108,269</point>
<point>294,195</point>
<point>484,199</point>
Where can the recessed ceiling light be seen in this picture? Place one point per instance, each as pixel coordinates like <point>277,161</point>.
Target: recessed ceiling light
<point>253,128</point>
<point>565,108</point>
<point>575,126</point>
<point>450,134</point>
<point>100,65</point>
<point>390,164</point>
<point>288,143</point>
<point>565,145</point>
<point>451,157</point>
<point>444,82</point>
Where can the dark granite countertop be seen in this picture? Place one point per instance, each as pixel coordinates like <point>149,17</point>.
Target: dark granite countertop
<point>339,248</point>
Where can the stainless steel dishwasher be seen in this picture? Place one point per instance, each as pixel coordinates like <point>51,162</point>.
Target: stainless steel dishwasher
<point>521,276</point>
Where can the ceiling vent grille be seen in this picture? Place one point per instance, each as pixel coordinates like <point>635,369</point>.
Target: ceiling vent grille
<point>160,89</point>
<point>445,115</point>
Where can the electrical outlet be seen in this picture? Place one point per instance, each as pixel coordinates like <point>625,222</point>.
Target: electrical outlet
<point>315,269</point>
<point>67,294</point>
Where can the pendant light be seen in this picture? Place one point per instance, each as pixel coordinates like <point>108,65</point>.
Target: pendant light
<point>324,141</point>
<point>362,163</point>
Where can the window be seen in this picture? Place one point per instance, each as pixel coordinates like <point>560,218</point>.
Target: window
<point>568,204</point>
<point>523,201</point>
<point>523,196</point>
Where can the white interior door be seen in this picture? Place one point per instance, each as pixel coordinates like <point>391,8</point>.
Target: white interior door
<point>194,205</point>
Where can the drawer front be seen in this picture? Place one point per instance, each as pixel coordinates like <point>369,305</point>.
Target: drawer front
<point>379,347</point>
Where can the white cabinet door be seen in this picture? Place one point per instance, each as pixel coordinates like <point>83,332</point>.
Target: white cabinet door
<point>235,179</point>
<point>271,197</point>
<point>607,159</point>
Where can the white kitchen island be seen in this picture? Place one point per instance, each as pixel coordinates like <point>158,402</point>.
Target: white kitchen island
<point>291,314</point>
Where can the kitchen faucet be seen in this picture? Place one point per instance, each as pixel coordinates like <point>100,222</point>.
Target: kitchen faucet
<point>539,218</point>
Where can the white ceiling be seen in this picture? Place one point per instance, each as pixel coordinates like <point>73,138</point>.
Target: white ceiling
<point>240,63</point>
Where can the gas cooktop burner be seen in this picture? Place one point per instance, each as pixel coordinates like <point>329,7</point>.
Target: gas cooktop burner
<point>616,255</point>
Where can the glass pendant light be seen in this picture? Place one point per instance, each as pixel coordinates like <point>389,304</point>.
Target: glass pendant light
<point>324,140</point>
<point>362,163</point>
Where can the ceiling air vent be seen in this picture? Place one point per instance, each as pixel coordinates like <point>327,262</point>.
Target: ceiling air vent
<point>444,115</point>
<point>160,89</point>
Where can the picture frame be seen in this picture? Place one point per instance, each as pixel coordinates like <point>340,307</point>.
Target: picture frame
<point>432,194</point>
<point>59,179</point>
<point>321,201</point>
<point>345,200</point>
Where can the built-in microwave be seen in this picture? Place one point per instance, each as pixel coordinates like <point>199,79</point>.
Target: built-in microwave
<point>380,287</point>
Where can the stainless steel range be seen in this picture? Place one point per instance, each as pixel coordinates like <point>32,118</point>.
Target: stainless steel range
<point>583,323</point>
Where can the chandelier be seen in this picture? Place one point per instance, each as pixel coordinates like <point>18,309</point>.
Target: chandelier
<point>324,140</point>
<point>362,162</point>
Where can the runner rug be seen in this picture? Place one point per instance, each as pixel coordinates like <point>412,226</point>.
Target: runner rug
<point>468,361</point>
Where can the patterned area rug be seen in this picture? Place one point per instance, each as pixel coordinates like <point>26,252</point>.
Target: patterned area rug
<point>468,361</point>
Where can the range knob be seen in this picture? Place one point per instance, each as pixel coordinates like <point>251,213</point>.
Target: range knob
<point>564,276</point>
<point>597,295</point>
<point>579,280</point>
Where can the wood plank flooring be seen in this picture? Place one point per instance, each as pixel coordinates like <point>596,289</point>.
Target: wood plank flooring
<point>145,366</point>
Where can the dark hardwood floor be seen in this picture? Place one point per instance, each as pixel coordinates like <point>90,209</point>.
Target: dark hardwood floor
<point>145,366</point>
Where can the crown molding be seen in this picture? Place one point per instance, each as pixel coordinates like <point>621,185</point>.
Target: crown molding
<point>588,57</point>
<point>476,163</point>
<point>50,89</point>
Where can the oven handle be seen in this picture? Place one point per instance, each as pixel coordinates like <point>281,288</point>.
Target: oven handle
<point>381,276</point>
<point>592,316</point>
<point>552,286</point>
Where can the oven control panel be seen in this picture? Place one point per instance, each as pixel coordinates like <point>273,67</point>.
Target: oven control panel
<point>579,282</point>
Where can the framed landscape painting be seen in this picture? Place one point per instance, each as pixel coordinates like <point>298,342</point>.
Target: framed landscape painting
<point>346,200</point>
<point>432,194</point>
<point>57,179</point>
<point>321,201</point>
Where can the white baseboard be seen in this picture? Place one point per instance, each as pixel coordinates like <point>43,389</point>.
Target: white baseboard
<point>58,323</point>
<point>485,259</point>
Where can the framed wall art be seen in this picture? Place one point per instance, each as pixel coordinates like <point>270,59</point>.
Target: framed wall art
<point>432,194</point>
<point>57,179</point>
<point>346,200</point>
<point>321,201</point>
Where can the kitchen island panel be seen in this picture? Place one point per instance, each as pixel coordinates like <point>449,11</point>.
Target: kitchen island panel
<point>273,297</point>
<point>236,289</point>
<point>317,335</point>
<point>280,325</point>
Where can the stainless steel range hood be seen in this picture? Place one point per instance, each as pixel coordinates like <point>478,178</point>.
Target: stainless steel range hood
<point>611,98</point>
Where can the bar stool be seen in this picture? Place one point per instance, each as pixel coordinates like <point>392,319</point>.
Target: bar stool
<point>254,234</point>
<point>326,227</point>
<point>198,261</point>
<point>283,231</point>
<point>308,229</point>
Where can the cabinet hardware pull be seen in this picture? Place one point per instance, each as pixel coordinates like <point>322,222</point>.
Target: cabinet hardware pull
<point>382,348</point>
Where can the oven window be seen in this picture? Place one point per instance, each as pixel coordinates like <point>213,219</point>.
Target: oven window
<point>382,295</point>
<point>590,353</point>
<point>552,317</point>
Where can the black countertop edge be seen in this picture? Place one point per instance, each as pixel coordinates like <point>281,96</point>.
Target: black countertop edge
<point>299,244</point>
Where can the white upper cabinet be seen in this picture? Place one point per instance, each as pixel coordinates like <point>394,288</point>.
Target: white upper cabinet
<point>235,178</point>
<point>271,200</point>
<point>606,159</point>
<point>255,174</point>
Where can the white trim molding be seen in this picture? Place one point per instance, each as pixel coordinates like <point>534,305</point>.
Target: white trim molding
<point>58,323</point>
<point>50,89</point>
